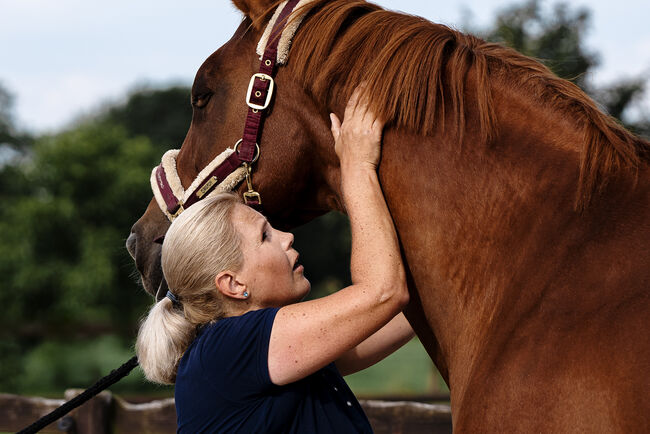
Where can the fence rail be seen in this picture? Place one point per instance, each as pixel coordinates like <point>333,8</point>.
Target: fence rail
<point>107,413</point>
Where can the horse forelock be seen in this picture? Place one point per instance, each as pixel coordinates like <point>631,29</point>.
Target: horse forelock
<point>418,75</point>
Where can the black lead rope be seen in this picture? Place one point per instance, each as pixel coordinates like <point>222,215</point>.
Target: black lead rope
<point>103,383</point>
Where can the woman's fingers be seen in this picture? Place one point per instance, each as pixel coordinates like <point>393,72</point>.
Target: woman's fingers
<point>358,101</point>
<point>377,126</point>
<point>336,126</point>
<point>351,107</point>
<point>358,136</point>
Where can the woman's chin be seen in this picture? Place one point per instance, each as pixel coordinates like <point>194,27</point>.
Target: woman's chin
<point>306,290</point>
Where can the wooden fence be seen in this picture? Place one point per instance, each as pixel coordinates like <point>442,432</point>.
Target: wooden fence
<point>107,413</point>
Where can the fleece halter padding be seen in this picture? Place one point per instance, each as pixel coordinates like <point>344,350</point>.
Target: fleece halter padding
<point>182,196</point>
<point>290,29</point>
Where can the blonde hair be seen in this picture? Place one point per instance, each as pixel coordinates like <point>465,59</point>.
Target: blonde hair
<point>199,244</point>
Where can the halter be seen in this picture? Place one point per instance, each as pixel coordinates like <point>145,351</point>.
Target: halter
<point>234,164</point>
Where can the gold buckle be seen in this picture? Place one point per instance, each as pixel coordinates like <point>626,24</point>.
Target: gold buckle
<point>178,212</point>
<point>249,94</point>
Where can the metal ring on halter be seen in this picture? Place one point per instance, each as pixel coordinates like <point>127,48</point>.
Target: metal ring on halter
<point>257,150</point>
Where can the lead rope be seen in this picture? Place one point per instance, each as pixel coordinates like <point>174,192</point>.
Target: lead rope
<point>101,384</point>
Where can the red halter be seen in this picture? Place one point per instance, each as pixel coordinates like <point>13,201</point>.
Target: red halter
<point>246,150</point>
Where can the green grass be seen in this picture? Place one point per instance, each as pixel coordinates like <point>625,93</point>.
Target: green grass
<point>55,366</point>
<point>407,372</point>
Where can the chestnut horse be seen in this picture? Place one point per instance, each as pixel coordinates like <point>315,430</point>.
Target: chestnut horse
<point>523,211</point>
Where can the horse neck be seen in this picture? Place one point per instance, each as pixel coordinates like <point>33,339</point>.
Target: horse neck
<point>485,229</point>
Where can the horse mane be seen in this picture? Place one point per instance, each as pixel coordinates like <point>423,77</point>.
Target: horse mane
<point>421,76</point>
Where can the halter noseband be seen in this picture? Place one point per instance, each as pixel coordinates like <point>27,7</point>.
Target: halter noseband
<point>233,165</point>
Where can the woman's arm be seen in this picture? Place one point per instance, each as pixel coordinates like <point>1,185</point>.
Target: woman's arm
<point>309,335</point>
<point>381,344</point>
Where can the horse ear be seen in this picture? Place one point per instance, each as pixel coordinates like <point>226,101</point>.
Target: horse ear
<point>254,8</point>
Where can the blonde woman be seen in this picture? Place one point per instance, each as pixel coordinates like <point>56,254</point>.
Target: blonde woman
<point>246,354</point>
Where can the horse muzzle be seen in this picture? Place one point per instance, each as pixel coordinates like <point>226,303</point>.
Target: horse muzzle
<point>146,252</point>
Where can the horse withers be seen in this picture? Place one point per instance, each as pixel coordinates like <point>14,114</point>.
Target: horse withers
<point>523,211</point>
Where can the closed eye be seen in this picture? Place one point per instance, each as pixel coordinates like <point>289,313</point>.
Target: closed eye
<point>201,100</point>
<point>266,231</point>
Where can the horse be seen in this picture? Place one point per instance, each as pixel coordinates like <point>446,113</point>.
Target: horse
<point>523,211</point>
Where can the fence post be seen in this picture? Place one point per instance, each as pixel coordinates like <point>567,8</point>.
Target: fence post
<point>93,417</point>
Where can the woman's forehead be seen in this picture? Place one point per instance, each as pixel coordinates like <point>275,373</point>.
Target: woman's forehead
<point>247,218</point>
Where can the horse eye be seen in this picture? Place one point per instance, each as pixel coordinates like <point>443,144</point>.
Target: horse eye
<point>200,101</point>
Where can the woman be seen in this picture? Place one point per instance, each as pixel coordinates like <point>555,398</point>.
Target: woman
<point>245,353</point>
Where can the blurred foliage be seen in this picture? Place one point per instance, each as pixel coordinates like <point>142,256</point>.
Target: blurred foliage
<point>324,246</point>
<point>66,274</point>
<point>71,298</point>
<point>10,136</point>
<point>78,364</point>
<point>6,116</point>
<point>162,115</point>
<point>63,240</point>
<point>557,39</point>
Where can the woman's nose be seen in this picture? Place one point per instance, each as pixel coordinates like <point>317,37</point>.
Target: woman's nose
<point>288,240</point>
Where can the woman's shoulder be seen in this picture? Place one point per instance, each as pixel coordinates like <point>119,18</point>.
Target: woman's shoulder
<point>249,320</point>
<point>232,351</point>
<point>231,332</point>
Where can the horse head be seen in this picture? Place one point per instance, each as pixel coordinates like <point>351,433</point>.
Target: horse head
<point>296,173</point>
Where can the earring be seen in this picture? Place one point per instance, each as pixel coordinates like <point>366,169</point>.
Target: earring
<point>245,294</point>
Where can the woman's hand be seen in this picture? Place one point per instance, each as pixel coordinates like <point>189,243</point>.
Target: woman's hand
<point>358,140</point>
<point>309,335</point>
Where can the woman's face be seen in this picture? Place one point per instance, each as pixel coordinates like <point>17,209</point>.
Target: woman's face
<point>271,272</point>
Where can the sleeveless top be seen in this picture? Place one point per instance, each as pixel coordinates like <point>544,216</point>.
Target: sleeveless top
<point>223,386</point>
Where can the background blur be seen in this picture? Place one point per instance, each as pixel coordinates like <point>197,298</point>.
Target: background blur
<point>75,159</point>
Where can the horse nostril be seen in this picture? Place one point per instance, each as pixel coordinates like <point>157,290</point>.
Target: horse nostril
<point>131,243</point>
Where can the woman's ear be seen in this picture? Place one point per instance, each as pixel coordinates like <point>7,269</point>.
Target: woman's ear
<point>254,8</point>
<point>227,284</point>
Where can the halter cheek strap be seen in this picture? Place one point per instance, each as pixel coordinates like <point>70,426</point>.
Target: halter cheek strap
<point>234,165</point>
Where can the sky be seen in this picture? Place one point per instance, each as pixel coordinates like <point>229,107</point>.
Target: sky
<point>63,58</point>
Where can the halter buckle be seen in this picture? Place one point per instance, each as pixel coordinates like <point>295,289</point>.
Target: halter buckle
<point>269,94</point>
<point>177,213</point>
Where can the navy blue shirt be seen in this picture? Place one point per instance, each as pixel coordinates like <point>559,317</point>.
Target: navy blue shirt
<point>223,386</point>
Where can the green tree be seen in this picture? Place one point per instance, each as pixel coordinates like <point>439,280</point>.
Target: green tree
<point>64,260</point>
<point>67,278</point>
<point>6,116</point>
<point>162,115</point>
<point>9,134</point>
<point>619,98</point>
<point>556,39</point>
<point>14,145</point>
